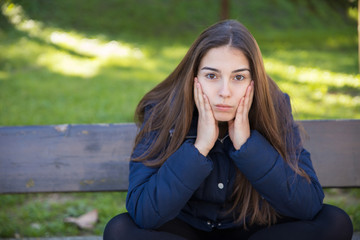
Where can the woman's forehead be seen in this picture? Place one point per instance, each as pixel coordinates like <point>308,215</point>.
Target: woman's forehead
<point>224,58</point>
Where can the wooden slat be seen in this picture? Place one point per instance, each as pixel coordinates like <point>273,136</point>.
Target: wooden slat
<point>335,151</point>
<point>68,158</point>
<point>65,158</point>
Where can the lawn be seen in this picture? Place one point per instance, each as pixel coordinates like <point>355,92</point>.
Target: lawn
<point>58,66</point>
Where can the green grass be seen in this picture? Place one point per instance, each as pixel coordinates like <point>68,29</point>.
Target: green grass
<point>58,66</point>
<point>40,215</point>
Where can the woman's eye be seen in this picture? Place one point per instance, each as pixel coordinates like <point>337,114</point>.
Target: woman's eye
<point>239,77</point>
<point>211,76</point>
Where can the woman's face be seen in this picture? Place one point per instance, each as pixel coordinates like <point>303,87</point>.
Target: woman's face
<point>224,75</point>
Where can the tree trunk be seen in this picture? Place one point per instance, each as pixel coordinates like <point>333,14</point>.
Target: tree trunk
<point>224,14</point>
<point>358,28</point>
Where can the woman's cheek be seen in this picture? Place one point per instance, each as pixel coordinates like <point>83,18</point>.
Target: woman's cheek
<point>206,91</point>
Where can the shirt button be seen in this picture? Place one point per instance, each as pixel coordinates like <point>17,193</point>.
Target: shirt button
<point>220,185</point>
<point>208,223</point>
<point>219,224</point>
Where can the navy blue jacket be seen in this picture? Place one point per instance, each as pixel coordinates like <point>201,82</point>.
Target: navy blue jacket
<point>197,189</point>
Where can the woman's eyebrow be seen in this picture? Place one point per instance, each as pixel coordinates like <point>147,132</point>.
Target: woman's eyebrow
<point>216,70</point>
<point>241,70</point>
<point>211,69</point>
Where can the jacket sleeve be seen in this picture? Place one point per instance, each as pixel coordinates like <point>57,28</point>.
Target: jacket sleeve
<point>287,192</point>
<point>157,195</point>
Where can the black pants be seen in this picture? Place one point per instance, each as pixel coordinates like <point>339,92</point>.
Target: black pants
<point>331,223</point>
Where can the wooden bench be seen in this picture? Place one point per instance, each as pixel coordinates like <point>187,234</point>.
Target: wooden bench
<point>87,158</point>
<point>94,158</point>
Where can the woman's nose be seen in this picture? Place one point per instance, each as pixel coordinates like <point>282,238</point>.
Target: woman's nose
<point>224,90</point>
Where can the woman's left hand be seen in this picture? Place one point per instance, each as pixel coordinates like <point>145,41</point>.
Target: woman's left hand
<point>239,128</point>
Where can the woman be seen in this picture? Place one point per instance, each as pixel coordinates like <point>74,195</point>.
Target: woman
<point>218,155</point>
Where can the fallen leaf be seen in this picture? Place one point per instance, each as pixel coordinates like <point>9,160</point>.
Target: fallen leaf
<point>85,221</point>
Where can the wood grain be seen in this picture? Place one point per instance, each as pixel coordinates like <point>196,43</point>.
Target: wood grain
<point>75,158</point>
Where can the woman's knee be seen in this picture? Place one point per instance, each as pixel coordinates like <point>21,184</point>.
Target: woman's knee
<point>123,227</point>
<point>336,221</point>
<point>331,223</point>
<point>118,227</point>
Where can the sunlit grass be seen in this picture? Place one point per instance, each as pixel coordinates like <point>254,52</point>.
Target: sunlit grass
<point>66,64</point>
<point>317,93</point>
<point>71,64</point>
<point>73,77</point>
<point>74,55</point>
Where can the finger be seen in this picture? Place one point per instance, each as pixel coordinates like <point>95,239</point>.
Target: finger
<point>196,97</point>
<point>247,94</point>
<point>200,96</point>
<point>248,97</point>
<point>240,108</point>
<point>206,103</point>
<point>251,95</point>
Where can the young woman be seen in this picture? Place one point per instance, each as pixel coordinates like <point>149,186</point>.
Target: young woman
<point>219,156</point>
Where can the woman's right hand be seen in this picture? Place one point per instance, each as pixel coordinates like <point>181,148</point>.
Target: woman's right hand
<point>208,129</point>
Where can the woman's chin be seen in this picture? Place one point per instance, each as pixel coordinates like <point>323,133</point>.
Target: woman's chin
<point>223,117</point>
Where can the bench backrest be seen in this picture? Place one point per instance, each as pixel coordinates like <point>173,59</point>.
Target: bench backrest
<point>73,158</point>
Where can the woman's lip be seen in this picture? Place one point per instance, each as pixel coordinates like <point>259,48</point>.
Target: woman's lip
<point>223,107</point>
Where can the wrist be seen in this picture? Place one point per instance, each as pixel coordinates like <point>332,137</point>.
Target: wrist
<point>203,150</point>
<point>237,146</point>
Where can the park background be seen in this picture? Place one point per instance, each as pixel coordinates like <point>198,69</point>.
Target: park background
<point>91,62</point>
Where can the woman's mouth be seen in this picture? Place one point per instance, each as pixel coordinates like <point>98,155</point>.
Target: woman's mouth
<point>223,107</point>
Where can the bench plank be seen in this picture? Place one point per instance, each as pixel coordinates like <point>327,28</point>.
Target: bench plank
<point>65,158</point>
<point>335,151</point>
<point>75,158</point>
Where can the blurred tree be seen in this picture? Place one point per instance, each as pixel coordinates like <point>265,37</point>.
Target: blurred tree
<point>340,6</point>
<point>224,9</point>
<point>4,21</point>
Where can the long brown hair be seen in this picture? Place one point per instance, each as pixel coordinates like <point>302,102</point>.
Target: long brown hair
<point>172,106</point>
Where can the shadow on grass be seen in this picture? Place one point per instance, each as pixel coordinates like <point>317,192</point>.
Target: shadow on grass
<point>349,90</point>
